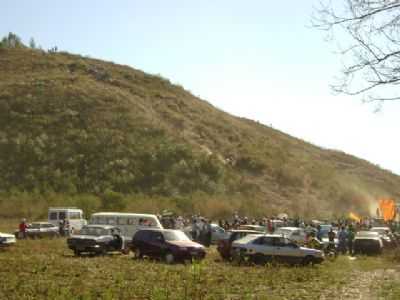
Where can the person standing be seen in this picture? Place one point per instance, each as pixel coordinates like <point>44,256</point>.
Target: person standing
<point>350,239</point>
<point>22,229</point>
<point>342,237</point>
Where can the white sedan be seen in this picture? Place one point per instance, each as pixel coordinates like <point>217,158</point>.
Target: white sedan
<point>272,247</point>
<point>294,234</point>
<point>6,239</point>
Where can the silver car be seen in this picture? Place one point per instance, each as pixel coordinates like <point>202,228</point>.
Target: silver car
<point>272,247</point>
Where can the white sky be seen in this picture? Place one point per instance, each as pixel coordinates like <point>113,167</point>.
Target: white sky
<point>256,59</point>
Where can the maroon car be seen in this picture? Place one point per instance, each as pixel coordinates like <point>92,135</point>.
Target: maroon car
<point>225,245</point>
<point>169,245</point>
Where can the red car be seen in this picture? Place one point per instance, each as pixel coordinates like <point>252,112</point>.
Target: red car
<point>169,245</point>
<point>225,245</point>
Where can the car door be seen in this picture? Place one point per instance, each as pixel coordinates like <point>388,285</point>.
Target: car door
<point>286,251</point>
<point>156,244</point>
<point>262,245</point>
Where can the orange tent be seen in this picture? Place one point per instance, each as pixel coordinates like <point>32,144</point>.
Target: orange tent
<point>388,209</point>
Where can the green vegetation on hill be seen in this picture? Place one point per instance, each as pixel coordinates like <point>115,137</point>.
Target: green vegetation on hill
<point>71,126</point>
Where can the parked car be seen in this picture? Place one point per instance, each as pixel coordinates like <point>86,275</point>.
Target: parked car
<point>257,228</point>
<point>217,233</point>
<point>295,234</point>
<point>6,240</point>
<point>97,239</point>
<point>325,238</point>
<point>388,239</point>
<point>273,247</point>
<point>167,244</point>
<point>224,246</point>
<point>367,242</point>
<point>39,230</point>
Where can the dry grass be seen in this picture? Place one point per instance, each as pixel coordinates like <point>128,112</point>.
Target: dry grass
<point>47,269</point>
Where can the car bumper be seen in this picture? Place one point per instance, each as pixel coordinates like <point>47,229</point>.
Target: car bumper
<point>85,248</point>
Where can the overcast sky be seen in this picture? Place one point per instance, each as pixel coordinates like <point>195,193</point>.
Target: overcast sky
<point>255,59</point>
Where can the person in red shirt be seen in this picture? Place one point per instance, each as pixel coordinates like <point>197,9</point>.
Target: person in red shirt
<point>22,229</point>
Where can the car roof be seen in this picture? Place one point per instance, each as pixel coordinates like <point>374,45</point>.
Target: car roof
<point>119,214</point>
<point>41,223</point>
<point>100,226</point>
<point>245,231</point>
<point>290,228</point>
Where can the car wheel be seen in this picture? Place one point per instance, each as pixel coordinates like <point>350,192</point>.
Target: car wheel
<point>259,259</point>
<point>308,260</point>
<point>138,253</point>
<point>169,258</point>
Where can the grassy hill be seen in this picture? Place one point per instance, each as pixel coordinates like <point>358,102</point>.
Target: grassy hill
<point>78,128</point>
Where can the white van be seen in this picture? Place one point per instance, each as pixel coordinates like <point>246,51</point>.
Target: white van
<point>128,223</point>
<point>72,215</point>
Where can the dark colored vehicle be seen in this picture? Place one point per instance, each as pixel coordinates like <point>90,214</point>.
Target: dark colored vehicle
<point>225,245</point>
<point>367,242</point>
<point>169,245</point>
<point>39,230</point>
<point>97,239</point>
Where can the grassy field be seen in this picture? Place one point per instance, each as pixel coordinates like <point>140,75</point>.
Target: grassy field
<point>47,269</point>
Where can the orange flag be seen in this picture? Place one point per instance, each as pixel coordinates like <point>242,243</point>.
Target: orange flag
<point>354,217</point>
<point>388,209</point>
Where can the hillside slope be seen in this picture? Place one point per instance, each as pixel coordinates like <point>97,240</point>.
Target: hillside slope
<point>72,125</point>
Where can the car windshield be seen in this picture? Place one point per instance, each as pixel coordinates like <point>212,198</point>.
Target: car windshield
<point>175,235</point>
<point>367,234</point>
<point>380,230</point>
<point>283,231</point>
<point>96,231</point>
<point>34,226</point>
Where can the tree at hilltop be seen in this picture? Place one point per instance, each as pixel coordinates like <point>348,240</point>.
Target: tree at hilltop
<point>368,34</point>
<point>12,41</point>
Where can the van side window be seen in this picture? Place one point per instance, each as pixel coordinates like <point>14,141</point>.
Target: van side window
<point>121,221</point>
<point>74,215</point>
<point>111,221</point>
<point>61,215</point>
<point>53,215</point>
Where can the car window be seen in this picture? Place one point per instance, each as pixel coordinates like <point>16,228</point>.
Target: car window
<point>96,231</point>
<point>175,236</point>
<point>156,236</point>
<point>264,240</point>
<point>53,215</point>
<point>34,226</point>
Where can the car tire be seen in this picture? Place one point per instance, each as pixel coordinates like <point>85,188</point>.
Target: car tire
<point>259,259</point>
<point>138,254</point>
<point>169,258</point>
<point>308,260</point>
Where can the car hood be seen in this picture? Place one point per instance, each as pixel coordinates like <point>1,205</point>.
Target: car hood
<point>6,235</point>
<point>186,244</point>
<point>367,238</point>
<point>310,251</point>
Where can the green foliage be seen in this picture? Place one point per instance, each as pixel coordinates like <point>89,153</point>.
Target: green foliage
<point>11,41</point>
<point>71,126</point>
